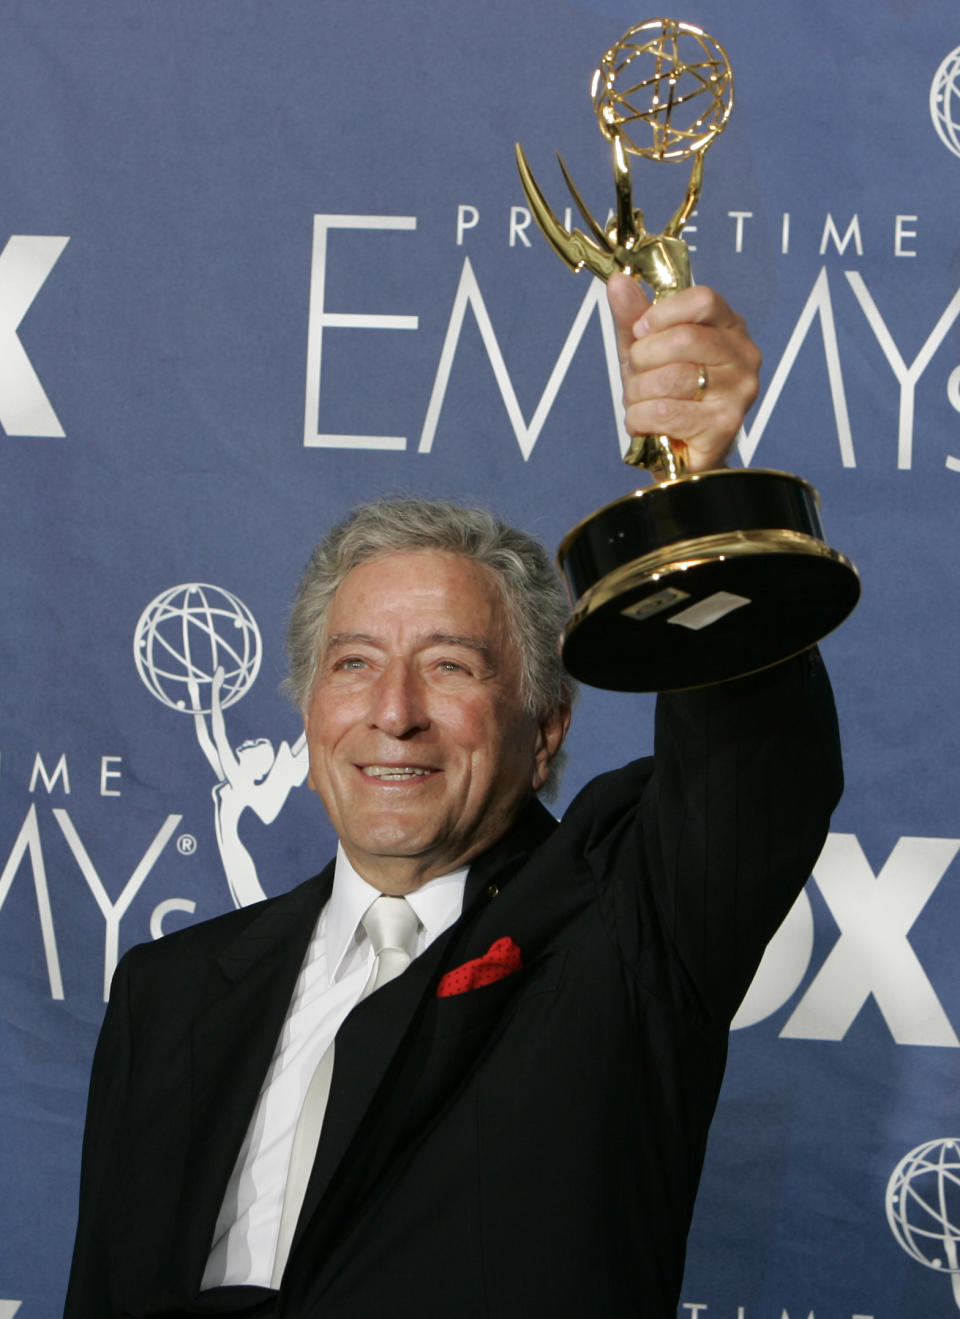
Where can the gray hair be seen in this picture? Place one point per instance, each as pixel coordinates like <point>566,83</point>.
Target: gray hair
<point>532,593</point>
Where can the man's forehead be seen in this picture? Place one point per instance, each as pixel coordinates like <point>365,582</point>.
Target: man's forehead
<point>438,596</point>
<point>412,571</point>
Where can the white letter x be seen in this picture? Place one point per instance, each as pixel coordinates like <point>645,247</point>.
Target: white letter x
<point>873,955</point>
<point>25,263</point>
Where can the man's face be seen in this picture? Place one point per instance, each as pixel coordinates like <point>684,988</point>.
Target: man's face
<point>419,745</point>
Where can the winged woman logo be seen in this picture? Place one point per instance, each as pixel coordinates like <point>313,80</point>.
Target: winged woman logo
<point>197,649</point>
<point>945,102</point>
<point>923,1206</point>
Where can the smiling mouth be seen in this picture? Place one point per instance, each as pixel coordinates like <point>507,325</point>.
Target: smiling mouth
<point>395,773</point>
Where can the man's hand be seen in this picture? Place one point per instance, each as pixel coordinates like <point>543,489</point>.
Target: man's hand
<point>668,351</point>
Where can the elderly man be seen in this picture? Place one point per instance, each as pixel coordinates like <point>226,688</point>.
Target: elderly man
<point>470,1067</point>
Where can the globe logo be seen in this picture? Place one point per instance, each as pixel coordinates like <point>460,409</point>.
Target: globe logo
<point>923,1206</point>
<point>185,635</point>
<point>945,101</point>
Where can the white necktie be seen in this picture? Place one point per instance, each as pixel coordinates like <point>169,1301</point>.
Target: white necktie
<point>390,924</point>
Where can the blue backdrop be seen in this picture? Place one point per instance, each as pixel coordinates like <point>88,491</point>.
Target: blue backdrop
<point>262,261</point>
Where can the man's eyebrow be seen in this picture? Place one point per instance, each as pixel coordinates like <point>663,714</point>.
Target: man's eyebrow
<point>476,644</point>
<point>448,639</point>
<point>350,639</point>
<point>432,639</point>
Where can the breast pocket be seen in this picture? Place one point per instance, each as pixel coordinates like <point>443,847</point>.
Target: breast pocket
<point>480,1011</point>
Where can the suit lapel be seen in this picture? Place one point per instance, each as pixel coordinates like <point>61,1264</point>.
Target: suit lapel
<point>496,867</point>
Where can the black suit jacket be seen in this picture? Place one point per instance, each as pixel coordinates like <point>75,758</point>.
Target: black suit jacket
<point>531,1148</point>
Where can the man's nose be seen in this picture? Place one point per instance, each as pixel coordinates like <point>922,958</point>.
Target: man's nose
<point>397,707</point>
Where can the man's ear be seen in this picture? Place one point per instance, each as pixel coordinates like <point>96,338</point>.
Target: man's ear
<point>551,731</point>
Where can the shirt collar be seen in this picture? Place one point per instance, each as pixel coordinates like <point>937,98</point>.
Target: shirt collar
<point>437,904</point>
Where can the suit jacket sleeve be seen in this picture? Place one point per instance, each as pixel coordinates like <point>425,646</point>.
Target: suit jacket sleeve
<point>700,853</point>
<point>87,1294</point>
<point>747,774</point>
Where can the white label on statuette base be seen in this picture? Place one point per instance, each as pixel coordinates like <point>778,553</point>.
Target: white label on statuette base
<point>655,604</point>
<point>708,611</point>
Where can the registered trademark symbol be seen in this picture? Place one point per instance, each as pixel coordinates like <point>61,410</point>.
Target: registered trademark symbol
<point>186,844</point>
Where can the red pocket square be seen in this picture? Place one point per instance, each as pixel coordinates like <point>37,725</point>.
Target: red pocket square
<point>501,959</point>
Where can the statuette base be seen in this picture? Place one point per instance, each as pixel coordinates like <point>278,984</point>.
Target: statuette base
<point>702,579</point>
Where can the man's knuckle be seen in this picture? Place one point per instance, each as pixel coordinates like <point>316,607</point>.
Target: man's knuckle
<point>685,342</point>
<point>727,417</point>
<point>672,379</point>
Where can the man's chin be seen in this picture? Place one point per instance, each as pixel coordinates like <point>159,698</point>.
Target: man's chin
<point>407,861</point>
<point>398,848</point>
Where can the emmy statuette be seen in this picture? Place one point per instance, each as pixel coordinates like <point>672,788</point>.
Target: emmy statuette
<point>699,577</point>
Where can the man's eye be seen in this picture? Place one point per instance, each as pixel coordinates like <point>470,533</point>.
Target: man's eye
<point>451,666</point>
<point>350,662</point>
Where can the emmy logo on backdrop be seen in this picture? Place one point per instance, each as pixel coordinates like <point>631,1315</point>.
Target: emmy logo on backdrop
<point>945,101</point>
<point>923,1206</point>
<point>705,576</point>
<point>197,649</point>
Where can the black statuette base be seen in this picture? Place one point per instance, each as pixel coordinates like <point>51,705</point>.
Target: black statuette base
<point>699,580</point>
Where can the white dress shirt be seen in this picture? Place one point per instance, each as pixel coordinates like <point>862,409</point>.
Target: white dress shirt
<point>336,967</point>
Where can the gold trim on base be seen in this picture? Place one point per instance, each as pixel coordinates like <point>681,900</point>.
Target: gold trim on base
<point>686,554</point>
